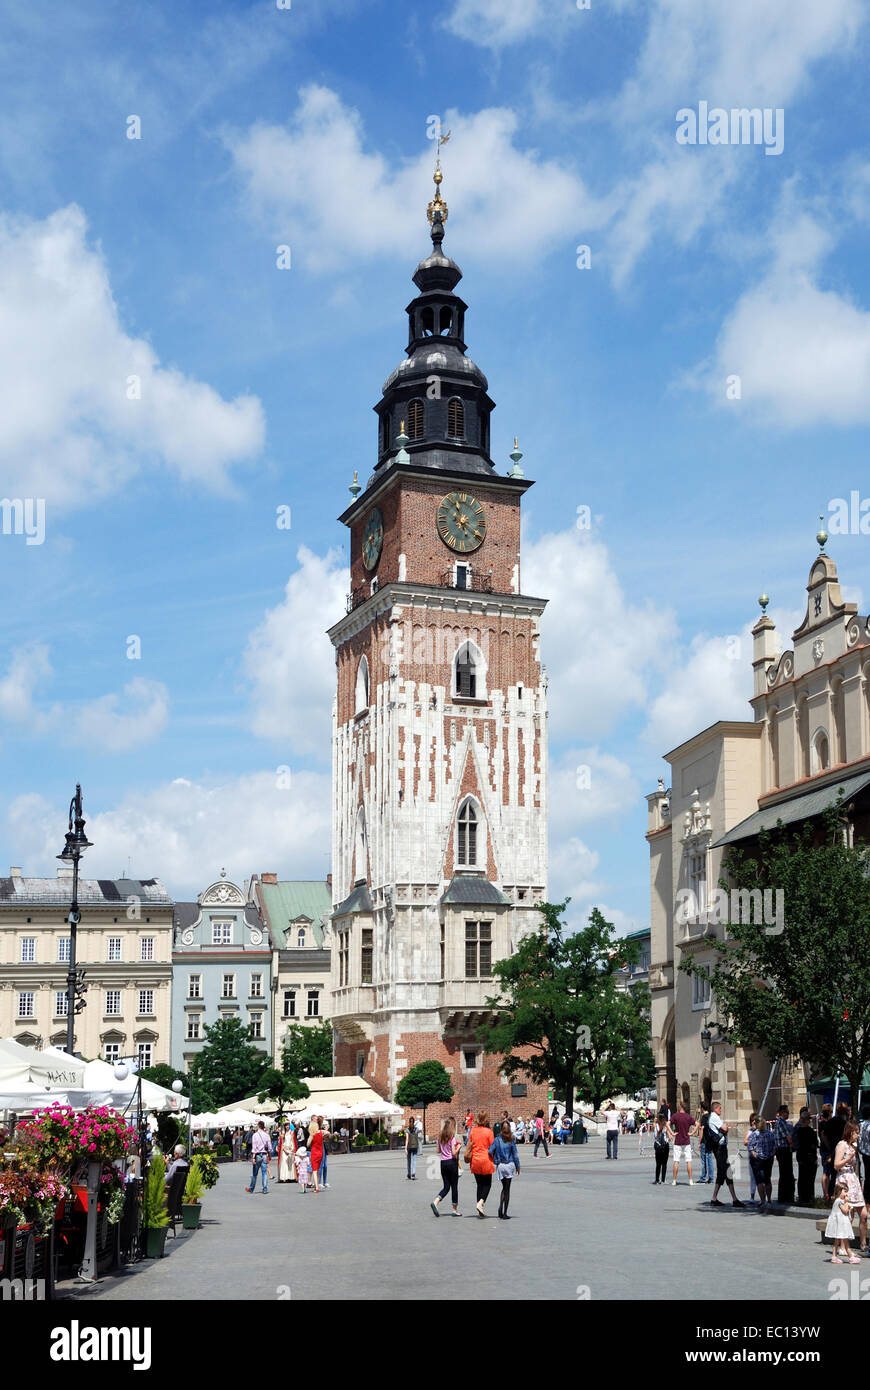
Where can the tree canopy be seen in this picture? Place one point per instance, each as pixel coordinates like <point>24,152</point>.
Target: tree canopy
<point>560,1017</point>
<point>801,986</point>
<point>162,1074</point>
<point>425,1084</point>
<point>228,1067</point>
<point>281,1087</point>
<point>307,1051</point>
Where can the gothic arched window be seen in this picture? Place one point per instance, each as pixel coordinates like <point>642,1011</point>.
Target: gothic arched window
<point>455,418</point>
<point>362,685</point>
<point>415,420</point>
<point>466,836</point>
<point>469,673</point>
<point>821,751</point>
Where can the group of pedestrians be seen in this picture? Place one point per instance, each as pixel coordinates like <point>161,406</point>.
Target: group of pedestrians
<point>301,1153</point>
<point>486,1153</point>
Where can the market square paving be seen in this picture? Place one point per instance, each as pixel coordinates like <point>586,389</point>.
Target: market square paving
<point>581,1227</point>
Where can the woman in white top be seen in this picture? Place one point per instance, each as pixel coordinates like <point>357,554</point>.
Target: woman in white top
<point>520,1130</point>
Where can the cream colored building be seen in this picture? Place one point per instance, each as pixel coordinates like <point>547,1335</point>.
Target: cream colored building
<point>808,737</point>
<point>124,946</point>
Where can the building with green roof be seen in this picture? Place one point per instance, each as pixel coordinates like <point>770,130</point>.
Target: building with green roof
<point>295,912</point>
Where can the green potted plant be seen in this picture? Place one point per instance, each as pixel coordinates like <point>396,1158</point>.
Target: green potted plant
<point>191,1204</point>
<point>155,1213</point>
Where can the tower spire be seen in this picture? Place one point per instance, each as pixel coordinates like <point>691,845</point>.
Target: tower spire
<point>436,212</point>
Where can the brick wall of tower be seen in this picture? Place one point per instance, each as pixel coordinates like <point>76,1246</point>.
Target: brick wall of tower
<point>409,510</point>
<point>427,645</point>
<point>484,1089</point>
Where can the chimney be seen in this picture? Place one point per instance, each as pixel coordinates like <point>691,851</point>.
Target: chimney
<point>268,878</point>
<point>15,872</point>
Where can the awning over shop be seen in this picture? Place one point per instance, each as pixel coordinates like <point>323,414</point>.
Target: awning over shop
<point>326,1091</point>
<point>796,808</point>
<point>828,1083</point>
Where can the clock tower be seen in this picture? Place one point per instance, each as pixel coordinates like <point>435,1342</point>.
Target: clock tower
<point>439,726</point>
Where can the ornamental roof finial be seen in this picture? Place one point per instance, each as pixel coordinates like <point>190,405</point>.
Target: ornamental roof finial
<point>436,212</point>
<point>822,534</point>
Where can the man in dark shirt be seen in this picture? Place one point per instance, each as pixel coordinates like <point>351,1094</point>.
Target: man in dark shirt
<point>782,1132</point>
<point>805,1143</point>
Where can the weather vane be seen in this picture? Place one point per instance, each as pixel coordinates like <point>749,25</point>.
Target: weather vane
<point>438,204</point>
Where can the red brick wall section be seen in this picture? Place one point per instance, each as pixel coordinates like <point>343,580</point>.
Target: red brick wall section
<point>410,509</point>
<point>484,1089</point>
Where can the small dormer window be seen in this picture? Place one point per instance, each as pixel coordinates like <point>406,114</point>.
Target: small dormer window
<point>300,937</point>
<point>415,420</point>
<point>455,418</point>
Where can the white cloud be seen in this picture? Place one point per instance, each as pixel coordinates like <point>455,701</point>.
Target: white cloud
<point>290,662</point>
<point>599,649</point>
<point>802,352</point>
<point>184,832</point>
<point>68,432</point>
<point>497,23</point>
<point>587,786</point>
<point>324,149</point>
<point>712,681</point>
<point>111,723</point>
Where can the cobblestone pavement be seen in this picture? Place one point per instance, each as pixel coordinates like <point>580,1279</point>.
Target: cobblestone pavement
<point>579,1223</point>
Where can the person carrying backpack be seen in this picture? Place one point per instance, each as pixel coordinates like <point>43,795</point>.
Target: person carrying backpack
<point>412,1148</point>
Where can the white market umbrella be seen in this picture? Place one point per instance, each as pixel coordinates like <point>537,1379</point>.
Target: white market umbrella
<point>51,1069</point>
<point>235,1117</point>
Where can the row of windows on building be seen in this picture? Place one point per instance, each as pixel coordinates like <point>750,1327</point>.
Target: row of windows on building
<point>228,986</point>
<point>114,949</point>
<point>26,1007</point>
<point>478,953</point>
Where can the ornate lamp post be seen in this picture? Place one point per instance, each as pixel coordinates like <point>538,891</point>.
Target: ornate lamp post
<point>76,844</point>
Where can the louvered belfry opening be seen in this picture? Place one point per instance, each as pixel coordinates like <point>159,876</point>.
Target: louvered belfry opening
<point>415,420</point>
<point>455,418</point>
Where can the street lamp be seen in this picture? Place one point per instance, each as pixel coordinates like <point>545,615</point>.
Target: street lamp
<point>706,1039</point>
<point>76,844</point>
<point>178,1087</point>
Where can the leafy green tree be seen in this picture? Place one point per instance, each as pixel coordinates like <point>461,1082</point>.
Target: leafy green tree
<point>278,1086</point>
<point>228,1067</point>
<point>425,1084</point>
<point>559,1004</point>
<point>798,986</point>
<point>307,1051</point>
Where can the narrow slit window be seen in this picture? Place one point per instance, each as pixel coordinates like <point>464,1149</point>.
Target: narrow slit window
<point>455,418</point>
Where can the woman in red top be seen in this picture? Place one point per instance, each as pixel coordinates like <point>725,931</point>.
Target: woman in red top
<point>480,1141</point>
<point>315,1152</point>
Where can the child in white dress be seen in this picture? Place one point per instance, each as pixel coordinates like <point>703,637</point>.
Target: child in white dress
<point>840,1224</point>
<point>303,1168</point>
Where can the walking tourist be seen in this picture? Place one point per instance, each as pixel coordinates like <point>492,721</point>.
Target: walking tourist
<point>782,1132</point>
<point>706,1158</point>
<point>260,1148</point>
<point>661,1148</point>
<point>412,1146</point>
<point>541,1134</point>
<point>864,1150</point>
<point>844,1168</point>
<point>840,1224</point>
<point>448,1152</point>
<point>315,1151</point>
<point>752,1183</point>
<point>326,1135</point>
<point>611,1121</point>
<point>760,1144</point>
<point>682,1127</point>
<point>717,1132</point>
<point>805,1142</point>
<point>477,1157</point>
<point>469,1121</point>
<point>285,1154</point>
<point>303,1168</point>
<point>503,1152</point>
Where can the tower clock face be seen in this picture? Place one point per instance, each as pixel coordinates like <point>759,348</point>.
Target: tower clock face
<point>461,522</point>
<point>373,538</point>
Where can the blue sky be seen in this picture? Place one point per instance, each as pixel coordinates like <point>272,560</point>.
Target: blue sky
<point>156,258</point>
